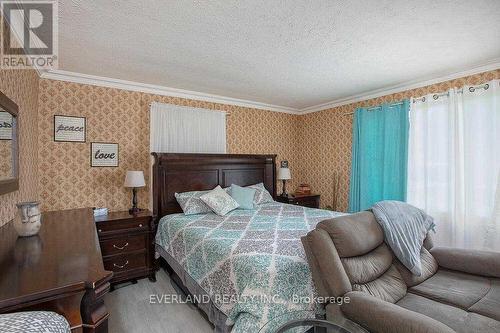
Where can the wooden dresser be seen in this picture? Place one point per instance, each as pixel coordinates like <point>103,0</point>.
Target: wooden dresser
<point>127,245</point>
<point>60,270</point>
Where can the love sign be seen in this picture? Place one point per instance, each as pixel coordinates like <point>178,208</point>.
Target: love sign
<point>69,129</point>
<point>104,154</point>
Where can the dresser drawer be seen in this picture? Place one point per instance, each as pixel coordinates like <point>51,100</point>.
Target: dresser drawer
<point>125,262</point>
<point>122,226</point>
<point>123,244</point>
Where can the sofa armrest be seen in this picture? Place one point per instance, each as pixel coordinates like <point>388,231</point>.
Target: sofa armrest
<point>485,263</point>
<point>379,316</point>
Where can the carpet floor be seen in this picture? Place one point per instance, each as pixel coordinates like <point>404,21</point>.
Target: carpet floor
<point>132,311</point>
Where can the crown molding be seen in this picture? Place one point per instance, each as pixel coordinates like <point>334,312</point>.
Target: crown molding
<point>484,67</point>
<point>61,75</point>
<point>67,76</point>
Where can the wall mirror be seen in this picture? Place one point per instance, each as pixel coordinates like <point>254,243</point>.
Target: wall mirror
<point>9,145</point>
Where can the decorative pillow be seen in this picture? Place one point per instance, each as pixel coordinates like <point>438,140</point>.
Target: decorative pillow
<point>261,194</point>
<point>191,203</point>
<point>34,321</point>
<point>219,201</point>
<point>243,196</point>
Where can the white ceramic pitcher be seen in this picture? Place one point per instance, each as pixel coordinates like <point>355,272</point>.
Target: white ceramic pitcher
<point>29,219</point>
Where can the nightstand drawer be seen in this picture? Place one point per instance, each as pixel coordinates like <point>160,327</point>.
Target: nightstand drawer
<point>127,244</point>
<point>123,244</point>
<point>311,200</point>
<point>307,203</point>
<point>125,262</point>
<point>123,225</point>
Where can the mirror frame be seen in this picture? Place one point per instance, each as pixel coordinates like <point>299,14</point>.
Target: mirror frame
<point>12,184</point>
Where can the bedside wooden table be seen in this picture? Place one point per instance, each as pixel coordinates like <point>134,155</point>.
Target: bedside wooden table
<point>127,245</point>
<point>306,200</point>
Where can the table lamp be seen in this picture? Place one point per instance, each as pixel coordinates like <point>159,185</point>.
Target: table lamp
<point>134,179</point>
<point>284,175</point>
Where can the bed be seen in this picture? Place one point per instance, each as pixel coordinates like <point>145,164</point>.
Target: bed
<point>246,270</point>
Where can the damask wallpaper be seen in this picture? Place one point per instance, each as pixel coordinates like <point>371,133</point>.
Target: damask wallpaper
<point>317,145</point>
<point>5,163</point>
<point>66,179</point>
<point>326,139</point>
<point>22,87</point>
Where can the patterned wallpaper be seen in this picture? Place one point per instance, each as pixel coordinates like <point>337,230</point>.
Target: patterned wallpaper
<point>326,138</point>
<point>318,145</point>
<point>66,179</point>
<point>5,161</point>
<point>22,87</point>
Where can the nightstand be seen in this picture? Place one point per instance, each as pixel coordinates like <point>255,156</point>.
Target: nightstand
<point>127,245</point>
<point>306,200</point>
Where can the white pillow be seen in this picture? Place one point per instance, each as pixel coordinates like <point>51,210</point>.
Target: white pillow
<point>191,203</point>
<point>261,194</point>
<point>219,201</point>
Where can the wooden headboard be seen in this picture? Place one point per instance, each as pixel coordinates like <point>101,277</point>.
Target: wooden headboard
<point>197,172</point>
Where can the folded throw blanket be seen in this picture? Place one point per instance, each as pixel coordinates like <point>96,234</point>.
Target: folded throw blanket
<point>405,228</point>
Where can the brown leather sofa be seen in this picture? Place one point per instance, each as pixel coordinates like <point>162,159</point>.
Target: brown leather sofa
<point>459,290</point>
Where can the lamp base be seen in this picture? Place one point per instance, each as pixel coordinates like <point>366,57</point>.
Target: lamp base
<point>283,192</point>
<point>134,210</point>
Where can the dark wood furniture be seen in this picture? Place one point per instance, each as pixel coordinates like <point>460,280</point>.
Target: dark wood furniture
<point>197,172</point>
<point>189,172</point>
<point>127,245</point>
<point>11,183</point>
<point>306,200</point>
<point>60,270</point>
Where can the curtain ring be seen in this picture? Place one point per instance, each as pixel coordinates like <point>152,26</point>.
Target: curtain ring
<point>472,89</point>
<point>435,96</point>
<point>486,86</point>
<point>423,99</point>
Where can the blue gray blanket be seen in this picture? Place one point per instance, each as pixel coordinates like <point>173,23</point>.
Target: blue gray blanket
<point>405,228</point>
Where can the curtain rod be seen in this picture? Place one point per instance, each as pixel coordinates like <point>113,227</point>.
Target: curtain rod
<point>484,86</point>
<point>375,107</point>
<point>225,112</point>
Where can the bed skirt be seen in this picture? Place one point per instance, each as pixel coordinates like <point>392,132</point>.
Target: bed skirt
<point>214,315</point>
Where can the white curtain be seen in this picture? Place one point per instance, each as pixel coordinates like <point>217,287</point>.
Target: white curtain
<point>454,165</point>
<point>181,129</point>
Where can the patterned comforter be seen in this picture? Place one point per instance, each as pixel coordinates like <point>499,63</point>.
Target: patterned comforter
<point>250,262</point>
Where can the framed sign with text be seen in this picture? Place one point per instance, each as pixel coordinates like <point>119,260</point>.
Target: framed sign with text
<point>103,154</point>
<point>69,129</point>
<point>6,121</point>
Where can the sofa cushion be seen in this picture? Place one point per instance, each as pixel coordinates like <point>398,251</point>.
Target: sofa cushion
<point>459,320</point>
<point>366,268</point>
<point>382,317</point>
<point>325,264</point>
<point>489,305</point>
<point>389,287</point>
<point>455,288</point>
<point>354,235</point>
<point>429,268</point>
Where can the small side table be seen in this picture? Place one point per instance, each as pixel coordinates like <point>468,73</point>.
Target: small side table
<point>127,245</point>
<point>306,200</point>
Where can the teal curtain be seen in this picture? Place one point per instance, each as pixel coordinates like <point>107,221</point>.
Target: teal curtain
<point>379,155</point>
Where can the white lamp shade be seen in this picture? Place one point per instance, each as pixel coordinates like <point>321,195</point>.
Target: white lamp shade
<point>284,174</point>
<point>134,179</point>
